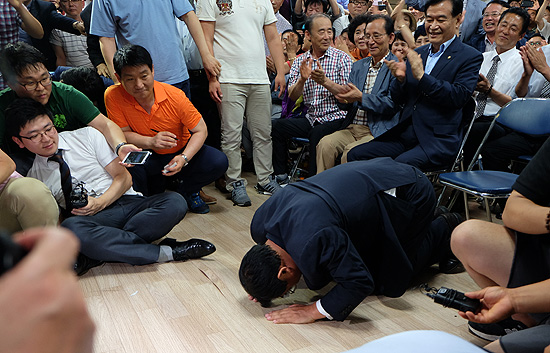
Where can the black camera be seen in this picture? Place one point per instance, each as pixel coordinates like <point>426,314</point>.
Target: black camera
<point>10,252</point>
<point>79,196</point>
<point>451,298</point>
<point>527,4</point>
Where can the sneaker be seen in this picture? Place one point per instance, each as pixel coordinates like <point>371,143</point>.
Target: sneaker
<point>196,204</point>
<point>282,179</point>
<point>269,188</point>
<point>494,331</point>
<point>239,195</point>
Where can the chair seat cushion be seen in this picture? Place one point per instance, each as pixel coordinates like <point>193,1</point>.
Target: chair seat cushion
<point>482,181</point>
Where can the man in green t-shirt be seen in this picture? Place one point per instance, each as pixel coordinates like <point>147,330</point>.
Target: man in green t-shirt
<point>24,69</point>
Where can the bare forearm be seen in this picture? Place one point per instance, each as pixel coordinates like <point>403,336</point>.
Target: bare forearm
<point>499,98</point>
<point>523,215</point>
<point>194,26</point>
<point>532,298</point>
<point>29,23</point>
<point>121,183</point>
<point>141,141</point>
<point>523,85</point>
<point>296,90</point>
<point>335,8</point>
<point>108,49</point>
<point>332,86</point>
<point>7,166</point>
<point>194,144</point>
<point>112,132</point>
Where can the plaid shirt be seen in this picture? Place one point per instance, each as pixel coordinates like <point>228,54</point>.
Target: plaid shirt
<point>9,28</point>
<point>361,116</point>
<point>320,102</point>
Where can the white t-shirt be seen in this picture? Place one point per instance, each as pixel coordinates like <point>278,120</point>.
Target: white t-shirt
<point>238,37</point>
<point>87,153</point>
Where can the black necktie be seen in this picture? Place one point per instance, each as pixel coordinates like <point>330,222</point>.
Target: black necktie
<point>66,180</point>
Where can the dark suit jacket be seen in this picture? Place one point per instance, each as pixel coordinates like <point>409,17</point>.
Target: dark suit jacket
<point>46,13</point>
<point>477,41</point>
<point>382,113</point>
<point>335,233</point>
<point>434,104</point>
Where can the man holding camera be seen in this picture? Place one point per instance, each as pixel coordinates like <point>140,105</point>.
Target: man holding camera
<point>115,225</point>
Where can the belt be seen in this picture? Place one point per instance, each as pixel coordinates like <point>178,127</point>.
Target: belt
<point>196,73</point>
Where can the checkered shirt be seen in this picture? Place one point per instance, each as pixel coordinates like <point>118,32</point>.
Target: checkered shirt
<point>322,105</point>
<point>9,28</point>
<point>361,116</point>
<point>74,46</point>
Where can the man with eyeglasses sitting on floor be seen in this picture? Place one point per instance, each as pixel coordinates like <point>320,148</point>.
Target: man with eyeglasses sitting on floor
<point>24,69</point>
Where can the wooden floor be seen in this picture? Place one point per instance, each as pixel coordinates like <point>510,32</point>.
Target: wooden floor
<point>200,306</point>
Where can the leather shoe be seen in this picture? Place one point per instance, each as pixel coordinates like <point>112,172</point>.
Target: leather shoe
<point>190,249</point>
<point>83,264</point>
<point>209,200</point>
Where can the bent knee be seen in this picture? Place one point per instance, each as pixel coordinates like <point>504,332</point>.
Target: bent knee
<point>465,235</point>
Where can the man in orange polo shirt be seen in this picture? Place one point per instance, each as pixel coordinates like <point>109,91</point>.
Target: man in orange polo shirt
<point>159,117</point>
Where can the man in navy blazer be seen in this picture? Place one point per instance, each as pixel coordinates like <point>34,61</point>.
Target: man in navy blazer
<point>433,85</point>
<point>46,13</point>
<point>371,242</point>
<point>371,110</point>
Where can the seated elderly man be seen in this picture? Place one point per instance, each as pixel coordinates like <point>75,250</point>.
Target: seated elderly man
<point>369,242</point>
<point>317,75</point>
<point>159,117</point>
<point>511,262</point>
<point>371,110</point>
<point>117,223</point>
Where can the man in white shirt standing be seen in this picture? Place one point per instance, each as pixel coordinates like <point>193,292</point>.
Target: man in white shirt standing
<point>115,225</point>
<point>233,31</point>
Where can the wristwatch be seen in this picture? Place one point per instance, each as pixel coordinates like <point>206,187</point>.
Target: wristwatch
<point>186,160</point>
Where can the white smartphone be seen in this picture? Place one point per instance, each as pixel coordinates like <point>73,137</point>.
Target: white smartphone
<point>136,157</point>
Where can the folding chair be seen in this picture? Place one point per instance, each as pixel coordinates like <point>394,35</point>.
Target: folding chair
<point>529,116</point>
<point>296,164</point>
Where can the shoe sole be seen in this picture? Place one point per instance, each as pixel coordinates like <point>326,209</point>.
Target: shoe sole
<point>200,212</point>
<point>483,335</point>
<point>247,203</point>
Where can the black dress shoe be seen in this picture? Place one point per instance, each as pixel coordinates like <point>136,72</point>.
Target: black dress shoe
<point>83,264</point>
<point>190,249</point>
<point>439,210</point>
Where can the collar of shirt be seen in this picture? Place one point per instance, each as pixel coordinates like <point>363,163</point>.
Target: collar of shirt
<point>159,91</point>
<point>433,58</point>
<point>503,56</point>
<point>378,65</point>
<point>328,53</point>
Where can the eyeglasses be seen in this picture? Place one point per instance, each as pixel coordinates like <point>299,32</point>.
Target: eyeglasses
<point>535,44</point>
<point>492,14</point>
<point>362,3</point>
<point>46,81</point>
<point>375,36</point>
<point>49,131</point>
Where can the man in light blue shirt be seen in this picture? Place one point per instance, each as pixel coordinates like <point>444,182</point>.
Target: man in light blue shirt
<point>151,25</point>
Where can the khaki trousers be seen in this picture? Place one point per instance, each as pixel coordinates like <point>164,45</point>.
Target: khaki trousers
<point>340,142</point>
<point>27,203</point>
<point>253,103</point>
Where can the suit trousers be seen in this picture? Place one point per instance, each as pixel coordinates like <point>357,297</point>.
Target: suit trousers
<point>284,129</point>
<point>123,231</point>
<point>27,203</point>
<point>340,142</point>
<point>253,103</point>
<point>399,143</point>
<point>207,165</point>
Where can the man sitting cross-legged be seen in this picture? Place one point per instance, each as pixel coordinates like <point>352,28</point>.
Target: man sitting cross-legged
<point>158,116</point>
<point>117,224</point>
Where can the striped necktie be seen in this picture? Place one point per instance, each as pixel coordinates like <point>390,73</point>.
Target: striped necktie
<point>66,180</point>
<point>482,97</point>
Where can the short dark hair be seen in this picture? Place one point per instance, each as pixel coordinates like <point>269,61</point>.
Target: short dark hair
<point>258,274</point>
<point>399,36</point>
<point>420,31</point>
<point>536,34</point>
<point>499,2</point>
<point>300,38</point>
<point>458,5</point>
<point>86,80</point>
<point>18,57</point>
<point>388,26</point>
<point>131,55</point>
<point>356,22</point>
<point>312,18</point>
<point>521,12</point>
<point>22,111</point>
<point>323,3</point>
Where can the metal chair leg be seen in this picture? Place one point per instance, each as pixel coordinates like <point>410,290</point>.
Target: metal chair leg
<point>466,210</point>
<point>488,209</point>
